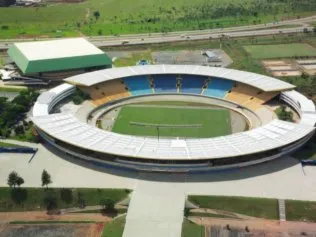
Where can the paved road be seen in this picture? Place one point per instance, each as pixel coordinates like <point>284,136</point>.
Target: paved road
<point>240,31</point>
<point>282,178</point>
<point>156,209</point>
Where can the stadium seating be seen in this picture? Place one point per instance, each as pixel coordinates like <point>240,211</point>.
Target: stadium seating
<point>107,91</point>
<point>138,85</point>
<point>192,84</point>
<point>218,87</point>
<point>248,96</point>
<point>165,83</point>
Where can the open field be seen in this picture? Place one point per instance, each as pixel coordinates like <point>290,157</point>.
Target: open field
<point>300,211</point>
<point>68,20</point>
<point>28,199</point>
<point>114,228</point>
<point>190,229</point>
<point>280,50</point>
<point>212,122</point>
<point>5,144</point>
<point>257,207</point>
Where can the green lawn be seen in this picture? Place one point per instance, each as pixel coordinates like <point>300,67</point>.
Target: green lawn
<point>138,16</point>
<point>5,144</point>
<point>190,229</point>
<point>114,228</point>
<point>257,207</point>
<point>12,89</point>
<point>28,199</point>
<point>214,122</point>
<point>300,210</point>
<point>280,50</point>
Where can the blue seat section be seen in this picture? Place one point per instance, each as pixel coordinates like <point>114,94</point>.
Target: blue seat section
<point>218,87</point>
<point>192,84</point>
<point>138,85</point>
<point>165,83</point>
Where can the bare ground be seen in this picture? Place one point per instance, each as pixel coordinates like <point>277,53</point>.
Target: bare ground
<point>259,227</point>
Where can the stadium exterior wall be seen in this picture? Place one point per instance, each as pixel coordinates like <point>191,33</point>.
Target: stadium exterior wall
<point>119,163</point>
<point>158,165</point>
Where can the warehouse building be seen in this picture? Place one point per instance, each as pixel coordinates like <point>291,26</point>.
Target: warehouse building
<point>58,59</point>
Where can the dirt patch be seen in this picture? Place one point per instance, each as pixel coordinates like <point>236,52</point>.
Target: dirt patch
<point>256,227</point>
<point>273,63</point>
<point>280,68</point>
<point>42,216</point>
<point>53,230</point>
<point>286,73</point>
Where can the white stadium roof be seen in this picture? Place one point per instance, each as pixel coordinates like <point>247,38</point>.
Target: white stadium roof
<point>62,48</point>
<point>67,128</point>
<point>261,82</point>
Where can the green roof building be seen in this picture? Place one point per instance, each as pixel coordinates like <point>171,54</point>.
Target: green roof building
<point>58,56</point>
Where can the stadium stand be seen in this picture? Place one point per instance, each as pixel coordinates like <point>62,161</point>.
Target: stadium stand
<point>218,87</point>
<point>249,96</point>
<point>192,84</point>
<point>138,85</point>
<point>165,83</point>
<point>106,92</point>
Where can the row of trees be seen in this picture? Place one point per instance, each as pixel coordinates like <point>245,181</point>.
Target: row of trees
<point>12,113</point>
<point>15,180</point>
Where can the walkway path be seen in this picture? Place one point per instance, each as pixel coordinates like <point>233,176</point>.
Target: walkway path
<point>156,209</point>
<point>282,211</point>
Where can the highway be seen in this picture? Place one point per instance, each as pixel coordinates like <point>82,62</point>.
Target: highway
<point>150,38</point>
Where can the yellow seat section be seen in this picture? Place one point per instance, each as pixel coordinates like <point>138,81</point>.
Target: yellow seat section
<point>249,96</point>
<point>106,92</point>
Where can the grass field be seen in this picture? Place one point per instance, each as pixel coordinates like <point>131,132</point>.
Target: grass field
<point>114,228</point>
<point>190,229</point>
<point>300,210</point>
<point>214,122</point>
<point>138,16</point>
<point>30,199</point>
<point>257,207</point>
<point>5,144</point>
<point>280,50</point>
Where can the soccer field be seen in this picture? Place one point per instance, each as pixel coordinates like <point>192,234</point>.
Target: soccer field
<point>280,50</point>
<point>208,122</point>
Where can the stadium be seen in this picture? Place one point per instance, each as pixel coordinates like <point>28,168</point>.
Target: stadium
<point>174,118</point>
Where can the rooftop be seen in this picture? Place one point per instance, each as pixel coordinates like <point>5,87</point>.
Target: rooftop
<point>62,48</point>
<point>264,83</point>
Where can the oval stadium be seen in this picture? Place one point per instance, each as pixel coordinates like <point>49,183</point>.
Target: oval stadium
<point>173,118</point>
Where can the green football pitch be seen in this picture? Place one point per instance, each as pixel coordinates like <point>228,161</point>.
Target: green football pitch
<point>280,50</point>
<point>191,122</point>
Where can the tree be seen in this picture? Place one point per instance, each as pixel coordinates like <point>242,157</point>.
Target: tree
<point>46,179</point>
<point>314,29</point>
<point>96,14</point>
<point>12,179</point>
<point>284,115</point>
<point>108,204</point>
<point>19,181</point>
